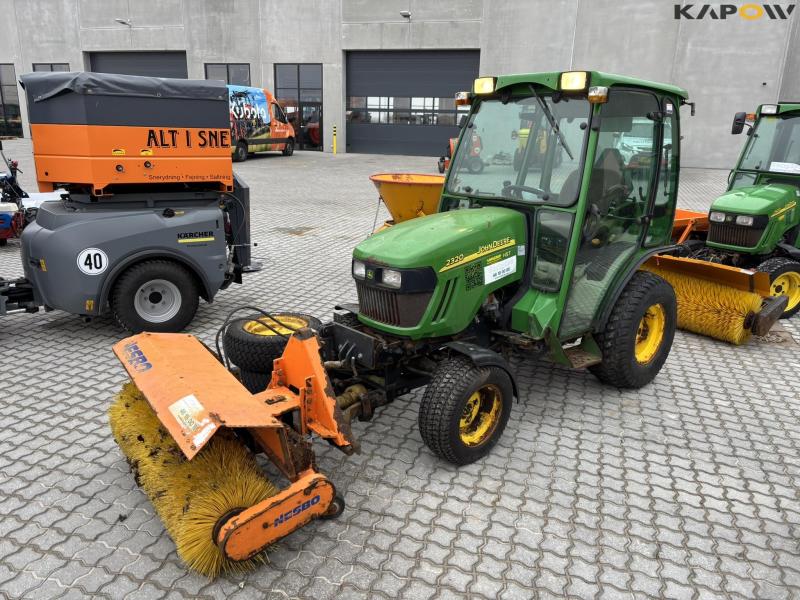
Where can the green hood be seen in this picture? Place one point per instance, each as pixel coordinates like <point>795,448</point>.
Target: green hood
<point>445,239</point>
<point>756,199</point>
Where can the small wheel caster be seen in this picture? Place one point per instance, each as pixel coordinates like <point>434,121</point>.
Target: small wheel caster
<point>335,509</point>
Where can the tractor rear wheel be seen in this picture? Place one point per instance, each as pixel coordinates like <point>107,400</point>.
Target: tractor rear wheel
<point>252,343</point>
<point>638,335</point>
<point>464,410</point>
<point>784,278</point>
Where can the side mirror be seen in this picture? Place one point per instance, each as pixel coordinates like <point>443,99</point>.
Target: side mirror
<point>739,120</point>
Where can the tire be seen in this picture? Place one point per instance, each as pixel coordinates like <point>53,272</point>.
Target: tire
<point>690,247</point>
<point>288,148</point>
<point>254,382</point>
<point>629,359</point>
<point>784,279</point>
<point>252,347</point>
<point>474,165</point>
<point>155,295</point>
<point>442,412</point>
<point>3,242</point>
<point>241,153</point>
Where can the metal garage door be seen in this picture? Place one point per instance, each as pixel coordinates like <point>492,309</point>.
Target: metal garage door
<point>154,64</point>
<point>401,102</point>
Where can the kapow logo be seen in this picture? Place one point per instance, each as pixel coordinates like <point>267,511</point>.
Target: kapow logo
<point>749,12</point>
<point>297,510</point>
<point>136,358</point>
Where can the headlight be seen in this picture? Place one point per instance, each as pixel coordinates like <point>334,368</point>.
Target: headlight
<point>717,217</point>
<point>744,220</point>
<point>359,269</point>
<point>392,278</point>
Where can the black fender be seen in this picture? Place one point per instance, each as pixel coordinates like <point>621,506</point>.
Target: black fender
<point>206,292</point>
<point>612,298</point>
<point>483,357</point>
<point>790,250</point>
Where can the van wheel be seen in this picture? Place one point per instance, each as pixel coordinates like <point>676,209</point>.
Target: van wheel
<point>638,335</point>
<point>156,295</point>
<point>240,153</point>
<point>288,148</point>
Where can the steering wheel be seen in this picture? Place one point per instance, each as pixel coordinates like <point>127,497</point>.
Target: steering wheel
<point>523,188</point>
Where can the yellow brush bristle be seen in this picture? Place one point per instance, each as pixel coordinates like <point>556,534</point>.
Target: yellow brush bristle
<point>189,496</point>
<point>711,309</point>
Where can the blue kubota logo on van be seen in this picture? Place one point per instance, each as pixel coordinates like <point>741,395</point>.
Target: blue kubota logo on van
<point>291,514</point>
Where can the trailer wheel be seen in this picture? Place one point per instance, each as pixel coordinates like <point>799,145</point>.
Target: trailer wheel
<point>784,278</point>
<point>464,410</point>
<point>288,148</point>
<point>241,152</point>
<point>156,295</point>
<point>638,335</point>
<point>252,343</point>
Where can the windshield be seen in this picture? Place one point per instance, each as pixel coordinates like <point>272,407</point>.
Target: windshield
<point>526,149</point>
<point>774,145</point>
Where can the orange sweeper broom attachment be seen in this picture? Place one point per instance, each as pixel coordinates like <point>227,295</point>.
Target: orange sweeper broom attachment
<point>190,431</point>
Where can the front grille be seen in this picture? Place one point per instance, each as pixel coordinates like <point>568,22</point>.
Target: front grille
<point>390,306</point>
<point>731,234</point>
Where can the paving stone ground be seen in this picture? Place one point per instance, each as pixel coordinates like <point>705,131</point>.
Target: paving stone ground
<point>688,488</point>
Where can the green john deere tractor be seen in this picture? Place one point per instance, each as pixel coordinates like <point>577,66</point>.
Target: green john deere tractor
<point>756,223</point>
<point>553,255</point>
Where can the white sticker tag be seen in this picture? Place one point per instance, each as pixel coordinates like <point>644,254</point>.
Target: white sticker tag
<point>521,250</point>
<point>500,269</point>
<point>92,261</point>
<point>189,413</point>
<point>784,167</point>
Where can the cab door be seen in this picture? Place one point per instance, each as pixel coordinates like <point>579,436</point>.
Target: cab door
<point>617,200</point>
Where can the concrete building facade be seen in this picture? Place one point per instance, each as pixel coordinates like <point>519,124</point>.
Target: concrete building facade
<point>750,57</point>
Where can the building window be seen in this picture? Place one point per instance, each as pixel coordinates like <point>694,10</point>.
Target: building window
<point>10,119</point>
<point>298,88</point>
<point>51,66</point>
<point>404,110</point>
<point>230,73</point>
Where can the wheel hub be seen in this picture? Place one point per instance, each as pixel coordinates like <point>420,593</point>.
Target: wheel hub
<point>650,333</point>
<point>480,415</point>
<point>287,325</point>
<point>157,301</point>
<point>787,284</point>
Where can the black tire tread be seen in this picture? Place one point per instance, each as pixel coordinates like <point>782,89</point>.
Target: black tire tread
<point>190,296</point>
<point>615,368</point>
<point>256,353</point>
<point>254,382</point>
<point>453,378</point>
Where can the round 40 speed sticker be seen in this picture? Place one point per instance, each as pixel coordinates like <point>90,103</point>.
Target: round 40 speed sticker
<point>92,261</point>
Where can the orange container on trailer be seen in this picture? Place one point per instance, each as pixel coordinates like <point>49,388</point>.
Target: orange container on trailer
<point>102,133</point>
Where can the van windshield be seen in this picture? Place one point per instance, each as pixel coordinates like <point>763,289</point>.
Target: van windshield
<point>528,149</point>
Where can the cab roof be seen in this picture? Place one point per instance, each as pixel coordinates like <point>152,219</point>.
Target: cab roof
<point>784,107</point>
<point>551,80</point>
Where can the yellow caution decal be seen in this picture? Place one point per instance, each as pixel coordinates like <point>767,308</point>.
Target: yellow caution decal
<point>786,208</point>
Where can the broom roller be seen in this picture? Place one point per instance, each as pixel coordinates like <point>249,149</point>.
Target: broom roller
<point>176,424</point>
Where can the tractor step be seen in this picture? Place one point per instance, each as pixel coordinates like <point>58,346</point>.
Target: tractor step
<point>580,358</point>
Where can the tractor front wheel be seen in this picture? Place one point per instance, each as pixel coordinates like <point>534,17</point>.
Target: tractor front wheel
<point>464,410</point>
<point>784,280</point>
<point>638,335</point>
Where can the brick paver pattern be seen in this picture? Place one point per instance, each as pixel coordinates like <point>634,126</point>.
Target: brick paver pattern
<point>688,488</point>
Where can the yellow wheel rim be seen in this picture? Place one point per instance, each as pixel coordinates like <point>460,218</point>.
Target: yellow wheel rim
<point>650,334</point>
<point>787,284</point>
<point>480,415</point>
<point>262,326</point>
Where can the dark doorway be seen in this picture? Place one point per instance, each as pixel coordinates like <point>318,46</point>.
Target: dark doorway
<point>402,102</point>
<point>298,89</point>
<point>10,117</point>
<point>152,64</point>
